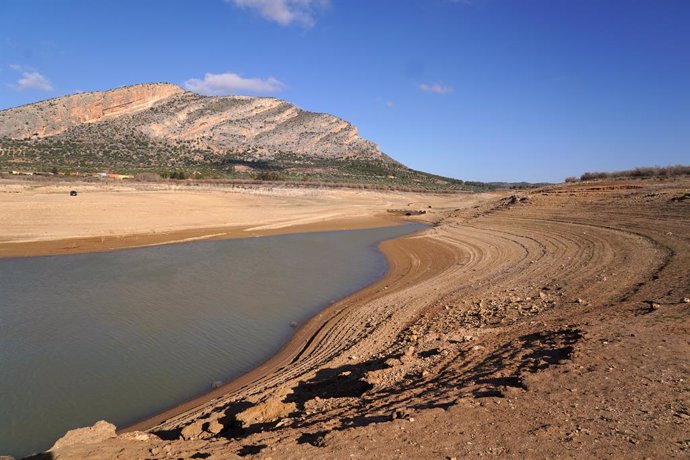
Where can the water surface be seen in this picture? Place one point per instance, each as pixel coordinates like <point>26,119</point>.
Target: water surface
<point>123,335</point>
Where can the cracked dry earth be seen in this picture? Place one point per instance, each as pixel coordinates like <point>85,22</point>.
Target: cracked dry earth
<point>549,323</point>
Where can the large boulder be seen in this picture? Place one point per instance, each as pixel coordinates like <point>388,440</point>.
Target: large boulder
<point>100,431</point>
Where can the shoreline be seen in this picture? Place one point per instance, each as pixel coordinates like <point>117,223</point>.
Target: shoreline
<point>403,270</point>
<point>108,243</point>
<point>393,250</point>
<point>398,265</point>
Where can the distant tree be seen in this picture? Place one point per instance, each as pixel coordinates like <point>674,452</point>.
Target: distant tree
<point>268,175</point>
<point>178,175</point>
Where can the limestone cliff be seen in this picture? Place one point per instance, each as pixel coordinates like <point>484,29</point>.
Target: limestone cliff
<point>257,126</point>
<point>54,116</point>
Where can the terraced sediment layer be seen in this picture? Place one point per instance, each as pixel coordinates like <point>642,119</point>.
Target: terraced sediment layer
<point>547,323</point>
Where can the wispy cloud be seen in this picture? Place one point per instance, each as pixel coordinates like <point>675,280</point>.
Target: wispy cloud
<point>389,104</point>
<point>285,12</point>
<point>435,88</point>
<point>30,79</point>
<point>224,84</point>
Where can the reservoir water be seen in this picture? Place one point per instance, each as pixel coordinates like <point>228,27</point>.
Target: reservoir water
<point>123,335</point>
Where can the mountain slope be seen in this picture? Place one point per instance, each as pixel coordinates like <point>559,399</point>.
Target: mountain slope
<point>160,127</point>
<point>165,111</point>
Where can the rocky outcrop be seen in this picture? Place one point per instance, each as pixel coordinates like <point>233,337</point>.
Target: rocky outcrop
<point>269,410</point>
<point>257,127</point>
<point>54,116</point>
<point>99,432</point>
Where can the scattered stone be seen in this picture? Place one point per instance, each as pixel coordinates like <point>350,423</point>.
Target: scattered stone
<point>580,301</point>
<point>100,431</point>
<point>686,299</point>
<point>215,427</point>
<point>193,430</point>
<point>542,295</point>
<point>267,411</point>
<point>139,436</point>
<point>392,362</point>
<point>653,305</point>
<point>403,413</point>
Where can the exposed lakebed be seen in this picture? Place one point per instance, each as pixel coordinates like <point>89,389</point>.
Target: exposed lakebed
<point>123,335</point>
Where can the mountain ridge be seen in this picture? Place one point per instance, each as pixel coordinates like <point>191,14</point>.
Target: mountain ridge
<point>162,128</point>
<point>268,125</point>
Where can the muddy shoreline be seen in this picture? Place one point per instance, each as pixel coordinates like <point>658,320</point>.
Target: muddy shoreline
<point>393,250</point>
<point>53,247</point>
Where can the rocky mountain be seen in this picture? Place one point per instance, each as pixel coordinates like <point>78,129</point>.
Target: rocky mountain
<point>163,111</point>
<point>161,128</point>
<point>55,116</point>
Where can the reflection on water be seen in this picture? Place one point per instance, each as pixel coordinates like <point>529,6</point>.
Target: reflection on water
<point>123,335</point>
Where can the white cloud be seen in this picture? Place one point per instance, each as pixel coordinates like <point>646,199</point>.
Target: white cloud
<point>285,12</point>
<point>30,79</point>
<point>224,84</point>
<point>390,104</point>
<point>435,88</point>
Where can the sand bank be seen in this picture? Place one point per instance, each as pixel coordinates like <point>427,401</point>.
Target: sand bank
<point>46,220</point>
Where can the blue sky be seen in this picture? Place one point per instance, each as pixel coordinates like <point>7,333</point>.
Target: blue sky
<point>512,90</point>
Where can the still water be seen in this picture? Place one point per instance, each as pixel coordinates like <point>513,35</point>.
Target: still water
<point>123,335</point>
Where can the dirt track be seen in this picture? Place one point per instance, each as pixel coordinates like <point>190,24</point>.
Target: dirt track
<point>549,324</point>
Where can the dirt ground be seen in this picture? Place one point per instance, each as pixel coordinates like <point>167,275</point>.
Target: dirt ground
<point>545,323</point>
<point>40,218</point>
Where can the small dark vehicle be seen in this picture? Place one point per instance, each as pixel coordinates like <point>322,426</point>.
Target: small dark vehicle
<point>72,193</point>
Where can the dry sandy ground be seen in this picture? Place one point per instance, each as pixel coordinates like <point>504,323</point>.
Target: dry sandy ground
<point>38,218</point>
<point>553,323</point>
